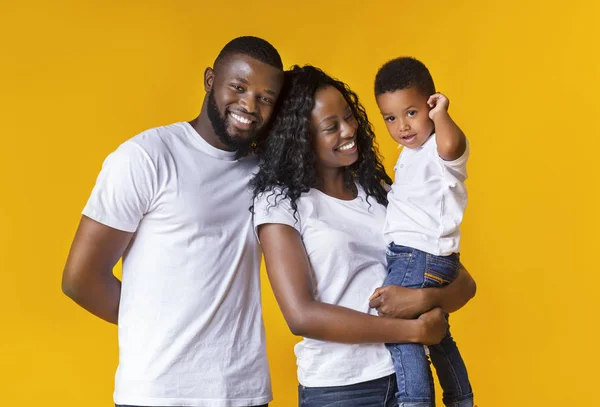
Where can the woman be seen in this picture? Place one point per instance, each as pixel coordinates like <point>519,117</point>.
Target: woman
<point>319,211</point>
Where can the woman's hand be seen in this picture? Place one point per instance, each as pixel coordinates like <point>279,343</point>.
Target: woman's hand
<point>399,302</point>
<point>408,303</point>
<point>434,327</point>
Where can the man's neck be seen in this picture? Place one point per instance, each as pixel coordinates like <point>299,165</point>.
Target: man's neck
<point>204,128</point>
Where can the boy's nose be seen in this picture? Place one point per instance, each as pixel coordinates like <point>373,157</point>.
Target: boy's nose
<point>403,126</point>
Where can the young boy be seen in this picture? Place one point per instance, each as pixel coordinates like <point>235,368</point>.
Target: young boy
<point>426,206</point>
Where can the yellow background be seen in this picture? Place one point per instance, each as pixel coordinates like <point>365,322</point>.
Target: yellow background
<point>78,78</point>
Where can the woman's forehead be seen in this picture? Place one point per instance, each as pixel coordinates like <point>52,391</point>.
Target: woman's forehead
<point>329,99</point>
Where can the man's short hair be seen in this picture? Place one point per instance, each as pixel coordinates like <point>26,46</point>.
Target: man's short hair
<point>254,47</point>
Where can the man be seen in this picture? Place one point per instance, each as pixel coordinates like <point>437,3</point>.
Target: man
<point>173,202</point>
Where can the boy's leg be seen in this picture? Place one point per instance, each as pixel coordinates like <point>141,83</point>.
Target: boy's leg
<point>415,384</point>
<point>413,375</point>
<point>449,365</point>
<point>452,373</point>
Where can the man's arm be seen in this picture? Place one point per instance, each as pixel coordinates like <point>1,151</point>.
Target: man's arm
<point>289,273</point>
<point>401,302</point>
<point>88,277</point>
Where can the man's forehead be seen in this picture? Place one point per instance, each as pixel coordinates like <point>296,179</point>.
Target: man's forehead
<point>248,69</point>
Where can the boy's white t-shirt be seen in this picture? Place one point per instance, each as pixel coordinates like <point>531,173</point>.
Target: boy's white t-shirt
<point>346,250</point>
<point>427,200</point>
<point>190,323</point>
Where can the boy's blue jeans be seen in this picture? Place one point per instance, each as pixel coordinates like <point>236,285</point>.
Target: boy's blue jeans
<point>414,268</point>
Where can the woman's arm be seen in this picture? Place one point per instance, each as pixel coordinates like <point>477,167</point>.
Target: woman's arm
<point>454,296</point>
<point>401,302</point>
<point>289,272</point>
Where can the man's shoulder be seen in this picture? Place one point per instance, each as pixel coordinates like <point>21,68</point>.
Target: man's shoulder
<point>158,139</point>
<point>152,144</point>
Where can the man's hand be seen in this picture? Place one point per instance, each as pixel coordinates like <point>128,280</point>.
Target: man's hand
<point>399,302</point>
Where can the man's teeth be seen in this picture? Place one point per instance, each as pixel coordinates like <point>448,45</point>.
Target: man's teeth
<point>347,146</point>
<point>240,119</point>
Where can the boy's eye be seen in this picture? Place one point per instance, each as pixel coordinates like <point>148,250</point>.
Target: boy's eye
<point>411,113</point>
<point>390,119</point>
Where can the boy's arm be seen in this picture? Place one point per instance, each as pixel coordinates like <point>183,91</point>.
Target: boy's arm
<point>451,141</point>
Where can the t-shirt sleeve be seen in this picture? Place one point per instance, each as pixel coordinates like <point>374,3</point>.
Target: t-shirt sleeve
<point>124,189</point>
<point>272,207</point>
<point>458,166</point>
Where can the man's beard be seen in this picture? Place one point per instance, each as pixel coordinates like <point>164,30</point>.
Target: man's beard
<point>241,145</point>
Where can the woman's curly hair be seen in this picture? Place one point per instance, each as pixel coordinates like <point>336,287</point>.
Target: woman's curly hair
<point>287,160</point>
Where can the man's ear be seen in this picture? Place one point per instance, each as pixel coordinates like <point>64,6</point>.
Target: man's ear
<point>209,78</point>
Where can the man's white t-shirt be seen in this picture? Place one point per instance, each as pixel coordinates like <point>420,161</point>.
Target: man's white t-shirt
<point>190,323</point>
<point>427,200</point>
<point>346,250</point>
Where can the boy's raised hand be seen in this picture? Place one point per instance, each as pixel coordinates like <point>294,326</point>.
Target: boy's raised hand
<point>438,103</point>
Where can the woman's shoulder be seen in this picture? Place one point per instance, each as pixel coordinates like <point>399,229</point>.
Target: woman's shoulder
<point>280,197</point>
<point>275,206</point>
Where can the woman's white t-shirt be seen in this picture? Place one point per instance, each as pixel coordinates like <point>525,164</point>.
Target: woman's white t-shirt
<point>346,250</point>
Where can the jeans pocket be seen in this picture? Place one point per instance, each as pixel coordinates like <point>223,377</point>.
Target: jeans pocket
<point>395,251</point>
<point>398,260</point>
<point>441,270</point>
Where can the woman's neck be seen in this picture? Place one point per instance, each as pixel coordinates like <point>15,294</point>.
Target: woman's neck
<point>332,182</point>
